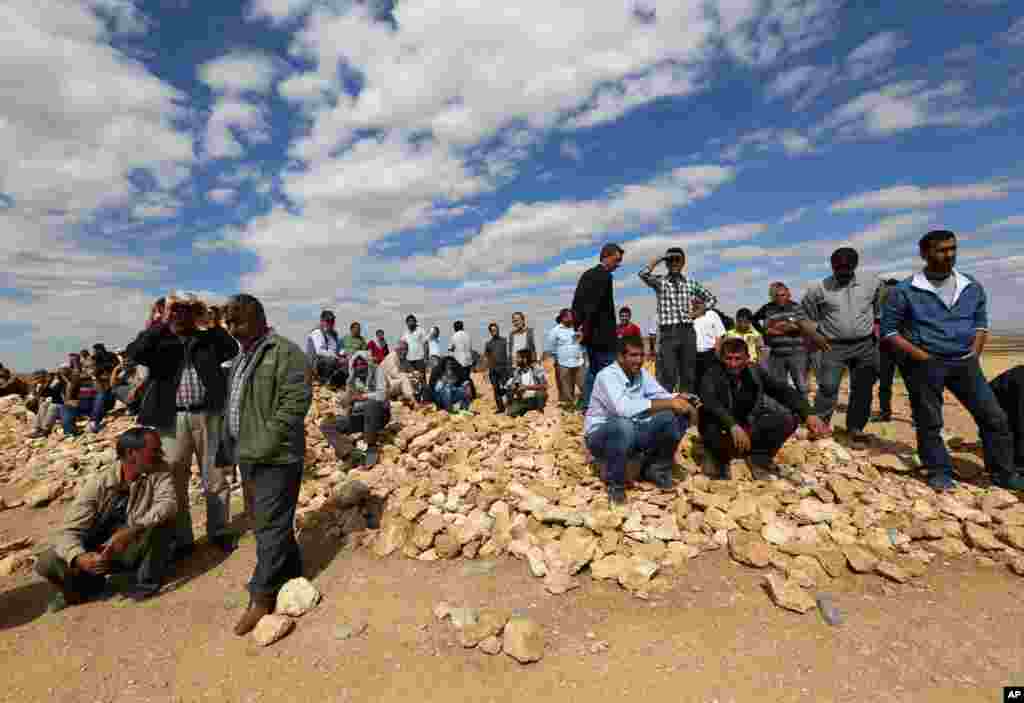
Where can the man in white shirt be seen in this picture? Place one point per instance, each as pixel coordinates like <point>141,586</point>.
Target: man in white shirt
<point>462,348</point>
<point>417,341</point>
<point>323,348</point>
<point>709,329</point>
<point>528,387</point>
<point>630,413</point>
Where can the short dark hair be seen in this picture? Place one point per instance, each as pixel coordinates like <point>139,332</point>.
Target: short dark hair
<point>411,317</point>
<point>458,326</point>
<point>355,324</point>
<point>626,309</point>
<point>892,282</point>
<point>529,354</point>
<point>631,342</point>
<point>494,325</point>
<point>744,314</point>
<point>379,332</point>
<point>936,235</point>
<point>847,255</point>
<point>134,438</point>
<point>675,251</point>
<point>561,314</point>
<point>326,315</point>
<point>248,302</point>
<point>611,249</point>
<point>734,345</point>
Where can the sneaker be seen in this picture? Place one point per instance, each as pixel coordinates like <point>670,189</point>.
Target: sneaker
<point>1011,482</point>
<point>616,495</point>
<point>940,482</point>
<point>371,457</point>
<point>763,470</point>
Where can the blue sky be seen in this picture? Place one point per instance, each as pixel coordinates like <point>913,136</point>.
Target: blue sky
<point>463,160</point>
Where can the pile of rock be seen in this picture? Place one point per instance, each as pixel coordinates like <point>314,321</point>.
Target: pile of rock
<point>494,631</point>
<point>479,487</point>
<point>296,598</point>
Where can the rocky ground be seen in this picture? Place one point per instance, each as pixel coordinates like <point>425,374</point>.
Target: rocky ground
<point>544,570</point>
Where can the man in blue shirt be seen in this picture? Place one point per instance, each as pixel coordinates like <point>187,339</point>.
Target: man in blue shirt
<point>630,413</point>
<point>939,319</point>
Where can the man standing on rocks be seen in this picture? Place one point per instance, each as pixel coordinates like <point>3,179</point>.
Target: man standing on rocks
<point>733,421</point>
<point>363,407</point>
<point>353,341</point>
<point>323,347</point>
<point>676,294</point>
<point>630,414</point>
<point>788,357</point>
<point>417,342</point>
<point>498,366</point>
<point>1009,389</point>
<point>593,307</point>
<point>841,313</point>
<point>462,348</point>
<point>185,402</point>
<point>121,519</point>
<point>269,394</point>
<point>708,329</point>
<point>939,319</point>
<point>889,359</point>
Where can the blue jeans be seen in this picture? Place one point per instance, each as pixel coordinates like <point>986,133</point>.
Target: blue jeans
<point>861,358</point>
<point>95,408</point>
<point>963,377</point>
<point>446,397</point>
<point>618,438</point>
<point>596,361</point>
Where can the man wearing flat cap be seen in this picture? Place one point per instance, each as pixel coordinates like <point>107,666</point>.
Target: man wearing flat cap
<point>185,401</point>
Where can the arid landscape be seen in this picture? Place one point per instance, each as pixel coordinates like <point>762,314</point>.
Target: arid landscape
<point>706,593</point>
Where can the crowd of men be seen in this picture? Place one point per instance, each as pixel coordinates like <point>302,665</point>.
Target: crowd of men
<point>219,385</point>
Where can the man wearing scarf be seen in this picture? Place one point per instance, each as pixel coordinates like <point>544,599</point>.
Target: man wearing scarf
<point>362,407</point>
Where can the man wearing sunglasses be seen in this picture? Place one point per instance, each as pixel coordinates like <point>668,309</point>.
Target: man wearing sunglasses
<point>184,400</point>
<point>677,359</point>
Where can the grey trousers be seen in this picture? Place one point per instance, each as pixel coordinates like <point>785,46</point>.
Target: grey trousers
<point>784,366</point>
<point>861,358</point>
<point>198,434</point>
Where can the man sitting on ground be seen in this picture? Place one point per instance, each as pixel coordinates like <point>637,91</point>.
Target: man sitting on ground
<point>630,413</point>
<point>122,519</point>
<point>48,397</point>
<point>732,423</point>
<point>448,388</point>
<point>528,387</point>
<point>363,407</point>
<point>400,383</point>
<point>11,384</point>
<point>323,349</point>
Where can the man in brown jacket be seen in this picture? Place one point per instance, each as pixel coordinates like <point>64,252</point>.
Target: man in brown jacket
<point>121,520</point>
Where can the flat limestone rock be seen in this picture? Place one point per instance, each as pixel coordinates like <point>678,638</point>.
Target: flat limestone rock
<point>948,546</point>
<point>523,640</point>
<point>749,549</point>
<point>861,560</point>
<point>271,628</point>
<point>981,537</point>
<point>892,571</point>
<point>787,593</point>
<point>297,597</point>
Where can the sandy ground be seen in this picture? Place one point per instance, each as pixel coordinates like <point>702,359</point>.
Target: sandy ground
<point>715,636</point>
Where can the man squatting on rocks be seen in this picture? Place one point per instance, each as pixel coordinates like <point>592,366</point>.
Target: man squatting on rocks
<point>734,421</point>
<point>363,406</point>
<point>938,318</point>
<point>121,520</point>
<point>630,413</point>
<point>269,394</point>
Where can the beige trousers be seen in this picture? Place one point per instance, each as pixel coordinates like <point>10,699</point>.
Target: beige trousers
<point>197,434</point>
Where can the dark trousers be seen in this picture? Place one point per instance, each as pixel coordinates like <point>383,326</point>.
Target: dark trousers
<point>768,432</point>
<point>498,378</point>
<point>597,359</point>
<point>521,406</point>
<point>275,496</point>
<point>703,362</point>
<point>677,359</point>
<point>149,557</point>
<point>861,358</point>
<point>618,438</point>
<point>888,361</point>
<point>1009,390</point>
<point>926,382</point>
<point>374,417</point>
<point>786,365</point>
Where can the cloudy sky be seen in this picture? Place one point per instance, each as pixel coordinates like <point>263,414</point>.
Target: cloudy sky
<point>460,159</point>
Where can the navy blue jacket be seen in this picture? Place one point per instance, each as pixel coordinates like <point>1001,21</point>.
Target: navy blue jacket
<point>915,311</point>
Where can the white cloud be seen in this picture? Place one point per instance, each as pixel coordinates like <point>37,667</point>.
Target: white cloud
<point>229,115</point>
<point>570,151</point>
<point>646,248</point>
<point>908,197</point>
<point>239,72</point>
<point>222,196</point>
<point>534,232</point>
<point>1015,34</point>
<point>84,116</point>
<point>1012,222</point>
<point>904,106</point>
<point>805,81</point>
<point>277,11</point>
<point>874,54</point>
<point>793,216</point>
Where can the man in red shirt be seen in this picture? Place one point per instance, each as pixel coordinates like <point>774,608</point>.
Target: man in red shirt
<point>626,327</point>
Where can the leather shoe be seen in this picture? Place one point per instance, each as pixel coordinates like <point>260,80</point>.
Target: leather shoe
<point>258,607</point>
<point>616,495</point>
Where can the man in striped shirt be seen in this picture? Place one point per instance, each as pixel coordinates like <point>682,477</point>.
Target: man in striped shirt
<point>676,293</point>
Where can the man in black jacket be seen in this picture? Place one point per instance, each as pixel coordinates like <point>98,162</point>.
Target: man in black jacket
<point>1009,389</point>
<point>733,421</point>
<point>184,400</point>
<point>593,307</point>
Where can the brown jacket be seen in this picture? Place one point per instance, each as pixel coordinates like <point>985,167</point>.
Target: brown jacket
<point>151,501</point>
